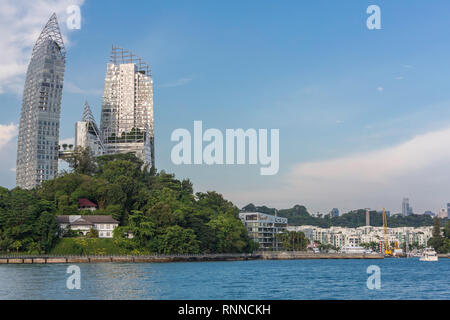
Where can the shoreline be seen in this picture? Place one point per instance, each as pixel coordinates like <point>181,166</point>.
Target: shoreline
<point>281,255</point>
<point>63,259</point>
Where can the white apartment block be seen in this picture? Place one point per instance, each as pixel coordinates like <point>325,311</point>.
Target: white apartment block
<point>340,236</point>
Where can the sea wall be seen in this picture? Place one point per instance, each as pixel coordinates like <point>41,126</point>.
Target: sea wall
<point>280,255</point>
<point>294,255</point>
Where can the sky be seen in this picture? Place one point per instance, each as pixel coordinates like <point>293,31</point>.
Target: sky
<point>363,115</point>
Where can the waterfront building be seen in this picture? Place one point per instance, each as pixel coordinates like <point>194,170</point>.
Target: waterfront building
<point>87,134</point>
<point>340,236</point>
<point>105,225</point>
<point>127,109</point>
<point>37,145</point>
<point>263,228</point>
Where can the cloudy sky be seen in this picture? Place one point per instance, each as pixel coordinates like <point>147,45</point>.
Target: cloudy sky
<point>364,115</point>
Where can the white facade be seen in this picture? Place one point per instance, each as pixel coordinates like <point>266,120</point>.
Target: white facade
<point>127,108</point>
<point>37,144</point>
<point>263,228</point>
<point>340,236</point>
<point>105,225</point>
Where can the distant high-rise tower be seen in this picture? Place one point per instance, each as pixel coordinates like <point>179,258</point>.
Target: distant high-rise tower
<point>367,217</point>
<point>87,134</point>
<point>127,109</point>
<point>334,213</point>
<point>406,209</point>
<point>37,149</point>
<point>443,213</point>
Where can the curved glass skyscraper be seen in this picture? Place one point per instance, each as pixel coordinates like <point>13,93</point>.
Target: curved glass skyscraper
<point>37,151</point>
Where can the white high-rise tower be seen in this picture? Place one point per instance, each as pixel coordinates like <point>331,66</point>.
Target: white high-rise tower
<point>127,110</point>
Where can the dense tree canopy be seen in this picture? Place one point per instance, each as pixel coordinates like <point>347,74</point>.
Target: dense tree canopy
<point>162,213</point>
<point>441,243</point>
<point>299,215</point>
<point>27,223</point>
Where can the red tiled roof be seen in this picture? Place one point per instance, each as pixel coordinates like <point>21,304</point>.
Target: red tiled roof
<point>83,202</point>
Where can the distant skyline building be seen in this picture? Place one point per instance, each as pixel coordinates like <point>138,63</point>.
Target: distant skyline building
<point>429,213</point>
<point>334,212</point>
<point>127,123</point>
<point>367,218</point>
<point>406,209</point>
<point>448,210</point>
<point>37,146</point>
<point>443,213</point>
<point>87,134</point>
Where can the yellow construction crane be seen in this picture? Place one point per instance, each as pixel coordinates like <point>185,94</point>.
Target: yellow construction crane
<point>387,250</point>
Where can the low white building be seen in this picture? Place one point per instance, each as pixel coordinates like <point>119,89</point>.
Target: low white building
<point>105,225</point>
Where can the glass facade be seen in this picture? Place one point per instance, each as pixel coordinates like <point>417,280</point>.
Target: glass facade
<point>87,134</point>
<point>37,150</point>
<point>263,228</point>
<point>127,109</point>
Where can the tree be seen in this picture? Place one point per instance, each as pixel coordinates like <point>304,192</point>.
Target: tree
<point>81,161</point>
<point>155,207</point>
<point>293,241</point>
<point>437,240</point>
<point>176,240</point>
<point>92,233</point>
<point>142,228</point>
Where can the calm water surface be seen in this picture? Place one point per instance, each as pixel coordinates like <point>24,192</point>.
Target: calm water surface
<point>262,279</point>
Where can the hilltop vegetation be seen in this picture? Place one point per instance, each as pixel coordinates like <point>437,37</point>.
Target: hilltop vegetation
<point>299,215</point>
<point>162,213</point>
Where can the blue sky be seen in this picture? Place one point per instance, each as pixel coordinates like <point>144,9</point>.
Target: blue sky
<point>312,69</point>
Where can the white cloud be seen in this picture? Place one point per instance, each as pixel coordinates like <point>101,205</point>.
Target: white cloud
<point>21,22</point>
<point>418,168</point>
<point>7,133</point>
<point>176,83</point>
<point>380,89</point>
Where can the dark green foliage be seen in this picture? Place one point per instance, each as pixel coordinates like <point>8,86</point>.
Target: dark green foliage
<point>440,243</point>
<point>293,241</point>
<point>27,223</point>
<point>161,212</point>
<point>298,215</point>
<point>81,161</point>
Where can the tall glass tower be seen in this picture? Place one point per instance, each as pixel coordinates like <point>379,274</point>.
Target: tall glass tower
<point>87,133</point>
<point>37,150</point>
<point>127,109</point>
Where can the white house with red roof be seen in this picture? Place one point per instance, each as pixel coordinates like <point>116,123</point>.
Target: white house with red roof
<point>86,204</point>
<point>105,225</point>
